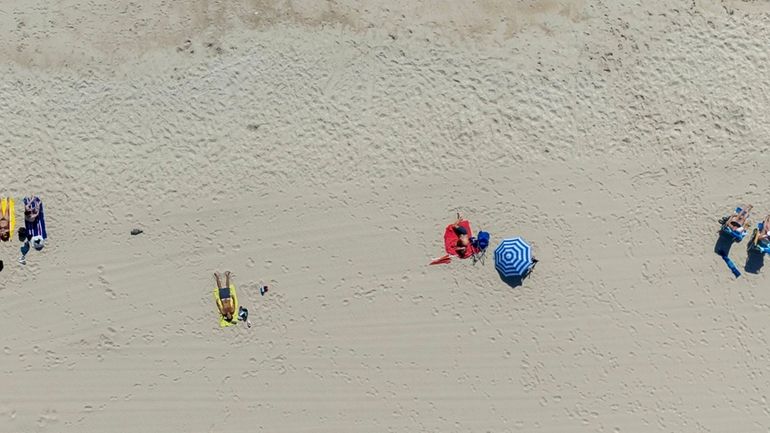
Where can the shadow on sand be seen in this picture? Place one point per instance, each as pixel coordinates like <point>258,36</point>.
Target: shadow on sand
<point>516,281</point>
<point>722,249</point>
<point>754,261</point>
<point>723,245</point>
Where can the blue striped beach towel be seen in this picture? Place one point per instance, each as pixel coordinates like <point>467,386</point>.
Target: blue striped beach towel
<point>36,227</point>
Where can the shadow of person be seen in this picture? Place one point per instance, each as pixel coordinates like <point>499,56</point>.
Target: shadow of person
<point>754,260</point>
<point>723,244</point>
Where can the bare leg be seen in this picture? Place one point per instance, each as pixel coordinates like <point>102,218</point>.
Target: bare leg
<point>227,278</point>
<point>764,234</point>
<point>219,284</point>
<point>744,215</point>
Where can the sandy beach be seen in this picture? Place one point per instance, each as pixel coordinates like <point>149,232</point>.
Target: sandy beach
<point>320,148</point>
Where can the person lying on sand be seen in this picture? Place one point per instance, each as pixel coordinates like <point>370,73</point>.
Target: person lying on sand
<point>764,234</point>
<point>463,240</point>
<point>737,221</point>
<point>228,306</point>
<point>31,209</point>
<point>5,225</point>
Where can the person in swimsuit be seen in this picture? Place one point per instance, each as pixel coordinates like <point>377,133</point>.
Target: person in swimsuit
<point>761,239</point>
<point>737,221</point>
<point>5,225</point>
<point>228,306</point>
<point>31,209</point>
<point>463,240</point>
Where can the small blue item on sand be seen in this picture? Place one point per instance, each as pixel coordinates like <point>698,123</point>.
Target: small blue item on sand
<point>730,264</point>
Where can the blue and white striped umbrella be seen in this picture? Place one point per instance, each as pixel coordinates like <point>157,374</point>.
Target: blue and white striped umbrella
<point>513,257</point>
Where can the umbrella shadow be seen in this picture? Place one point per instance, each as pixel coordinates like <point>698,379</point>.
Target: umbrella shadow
<point>516,280</point>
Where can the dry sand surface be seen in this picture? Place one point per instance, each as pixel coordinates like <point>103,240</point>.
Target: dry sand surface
<point>321,147</point>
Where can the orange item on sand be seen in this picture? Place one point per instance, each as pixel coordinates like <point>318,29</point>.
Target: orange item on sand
<point>442,260</point>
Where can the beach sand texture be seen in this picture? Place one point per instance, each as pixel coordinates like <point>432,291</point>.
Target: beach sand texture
<point>321,148</point>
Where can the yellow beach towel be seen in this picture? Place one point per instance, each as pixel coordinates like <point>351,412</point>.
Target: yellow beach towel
<point>222,322</point>
<point>7,205</point>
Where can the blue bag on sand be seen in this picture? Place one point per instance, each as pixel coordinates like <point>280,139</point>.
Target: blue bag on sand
<point>482,240</point>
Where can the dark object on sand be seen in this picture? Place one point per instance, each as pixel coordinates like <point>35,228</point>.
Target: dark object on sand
<point>135,232</point>
<point>243,315</point>
<point>263,290</point>
<point>1,265</point>
<point>730,263</point>
<point>23,234</point>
